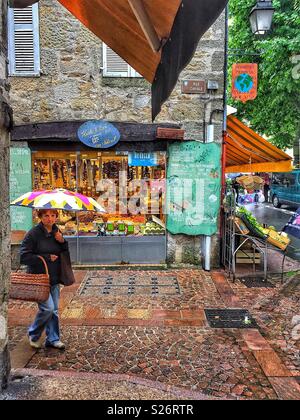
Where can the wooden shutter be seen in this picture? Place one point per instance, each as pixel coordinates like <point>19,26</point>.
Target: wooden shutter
<point>23,41</point>
<point>115,66</point>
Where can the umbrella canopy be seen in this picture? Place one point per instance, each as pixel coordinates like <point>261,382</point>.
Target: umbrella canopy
<point>158,38</point>
<point>58,199</point>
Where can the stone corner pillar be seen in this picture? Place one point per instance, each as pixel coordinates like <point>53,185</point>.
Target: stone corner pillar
<point>5,123</point>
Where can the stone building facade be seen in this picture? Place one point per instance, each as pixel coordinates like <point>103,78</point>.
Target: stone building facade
<point>71,87</point>
<point>5,120</point>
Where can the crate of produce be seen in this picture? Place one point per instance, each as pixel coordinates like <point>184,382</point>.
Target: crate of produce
<point>241,227</point>
<point>255,228</point>
<point>278,239</point>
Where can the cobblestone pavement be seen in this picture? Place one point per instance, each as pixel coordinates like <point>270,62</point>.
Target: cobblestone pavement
<point>197,359</point>
<point>166,338</point>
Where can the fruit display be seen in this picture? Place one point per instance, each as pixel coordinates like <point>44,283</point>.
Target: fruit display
<point>152,228</point>
<point>278,239</point>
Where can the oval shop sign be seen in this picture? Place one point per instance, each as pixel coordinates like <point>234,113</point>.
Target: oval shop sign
<point>98,134</point>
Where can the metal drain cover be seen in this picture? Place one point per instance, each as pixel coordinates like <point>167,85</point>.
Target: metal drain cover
<point>129,285</point>
<point>230,318</point>
<point>251,282</point>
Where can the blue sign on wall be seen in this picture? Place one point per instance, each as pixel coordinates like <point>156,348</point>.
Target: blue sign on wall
<point>142,159</point>
<point>98,134</point>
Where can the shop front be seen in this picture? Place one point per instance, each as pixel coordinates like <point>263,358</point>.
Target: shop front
<point>131,188</point>
<point>128,180</point>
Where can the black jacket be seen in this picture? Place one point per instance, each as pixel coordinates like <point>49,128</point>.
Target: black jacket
<point>40,242</point>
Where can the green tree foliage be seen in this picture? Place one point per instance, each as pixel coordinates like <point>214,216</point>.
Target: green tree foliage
<point>276,111</point>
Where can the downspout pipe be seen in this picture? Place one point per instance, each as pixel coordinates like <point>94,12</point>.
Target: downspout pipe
<point>224,137</point>
<point>209,138</point>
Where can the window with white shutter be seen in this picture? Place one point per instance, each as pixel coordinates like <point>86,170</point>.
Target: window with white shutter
<point>115,66</point>
<point>23,41</point>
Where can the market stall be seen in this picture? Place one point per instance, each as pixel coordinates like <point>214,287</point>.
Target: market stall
<point>247,241</point>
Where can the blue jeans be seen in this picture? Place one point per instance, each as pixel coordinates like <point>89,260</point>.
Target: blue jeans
<point>47,318</point>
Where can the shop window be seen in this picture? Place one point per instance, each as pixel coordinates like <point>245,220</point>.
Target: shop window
<point>115,66</point>
<point>130,186</point>
<point>23,41</point>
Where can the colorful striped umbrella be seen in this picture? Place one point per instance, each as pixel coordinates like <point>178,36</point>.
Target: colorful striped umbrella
<point>59,199</point>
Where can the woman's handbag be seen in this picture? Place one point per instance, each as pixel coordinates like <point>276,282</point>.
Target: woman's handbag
<point>67,277</point>
<point>30,287</point>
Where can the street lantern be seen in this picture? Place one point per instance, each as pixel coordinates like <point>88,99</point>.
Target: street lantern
<point>261,17</point>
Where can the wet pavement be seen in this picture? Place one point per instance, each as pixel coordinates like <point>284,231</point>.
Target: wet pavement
<point>267,213</point>
<point>164,339</point>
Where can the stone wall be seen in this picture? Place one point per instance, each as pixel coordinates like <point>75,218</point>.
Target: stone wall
<point>4,200</point>
<point>71,87</point>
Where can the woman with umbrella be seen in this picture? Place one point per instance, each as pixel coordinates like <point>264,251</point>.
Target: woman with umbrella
<point>47,241</point>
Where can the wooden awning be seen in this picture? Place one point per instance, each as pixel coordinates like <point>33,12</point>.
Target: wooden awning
<point>158,38</point>
<point>246,151</point>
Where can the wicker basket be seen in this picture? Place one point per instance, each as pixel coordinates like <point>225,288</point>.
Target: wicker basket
<point>30,287</point>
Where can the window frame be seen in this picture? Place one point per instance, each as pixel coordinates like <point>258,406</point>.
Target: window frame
<point>36,43</point>
<point>131,72</point>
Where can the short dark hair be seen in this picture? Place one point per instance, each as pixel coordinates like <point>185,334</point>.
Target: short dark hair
<point>43,211</point>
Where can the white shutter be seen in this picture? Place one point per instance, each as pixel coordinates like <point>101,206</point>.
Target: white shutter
<point>23,41</point>
<point>115,66</point>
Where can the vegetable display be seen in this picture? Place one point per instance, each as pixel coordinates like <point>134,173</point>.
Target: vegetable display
<point>251,222</point>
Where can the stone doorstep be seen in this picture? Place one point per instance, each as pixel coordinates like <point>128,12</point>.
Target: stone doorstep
<point>106,377</point>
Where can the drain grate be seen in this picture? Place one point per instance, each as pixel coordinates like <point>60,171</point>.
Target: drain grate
<point>96,285</point>
<point>230,318</point>
<point>251,282</point>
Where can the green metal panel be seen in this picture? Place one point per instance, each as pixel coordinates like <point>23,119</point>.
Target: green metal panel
<point>194,188</point>
<point>20,183</point>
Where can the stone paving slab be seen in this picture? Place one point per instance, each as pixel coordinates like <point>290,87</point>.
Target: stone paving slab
<point>286,388</point>
<point>255,341</point>
<point>271,363</point>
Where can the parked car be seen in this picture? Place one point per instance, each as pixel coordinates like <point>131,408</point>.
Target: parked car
<point>293,225</point>
<point>285,189</point>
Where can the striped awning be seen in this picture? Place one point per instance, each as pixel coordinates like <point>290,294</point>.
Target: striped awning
<point>158,38</point>
<point>246,151</point>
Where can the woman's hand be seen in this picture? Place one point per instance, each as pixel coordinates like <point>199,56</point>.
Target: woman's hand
<point>58,236</point>
<point>53,258</point>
